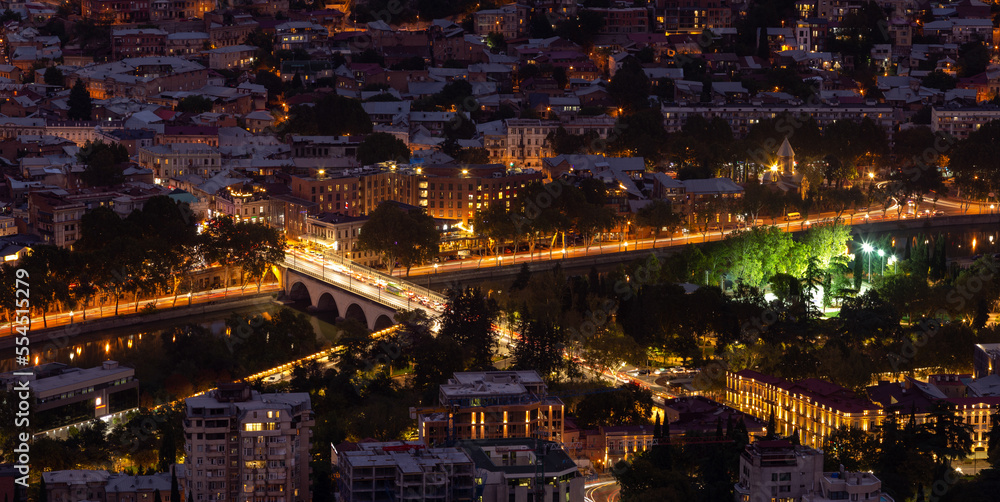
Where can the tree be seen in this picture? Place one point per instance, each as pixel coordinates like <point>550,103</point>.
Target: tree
<point>80,106</point>
<point>850,447</point>
<point>404,237</point>
<point>539,347</point>
<point>258,247</point>
<point>195,104</point>
<point>949,437</point>
<point>380,147</point>
<point>993,440</point>
<point>973,57</point>
<point>54,76</point>
<point>658,216</point>
<point>629,404</point>
<point>940,80</point>
<point>103,163</point>
<point>496,42</point>
<point>469,318</point>
<point>351,118</point>
<point>629,88</point>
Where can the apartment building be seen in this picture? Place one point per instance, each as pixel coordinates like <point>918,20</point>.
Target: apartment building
<point>527,142</point>
<point>693,16</point>
<point>179,159</point>
<point>55,219</point>
<point>986,359</point>
<point>179,10</point>
<point>138,42</point>
<point>491,405</point>
<point>742,117</point>
<point>355,192</point>
<point>407,470</point>
<point>508,20</point>
<point>843,485</point>
<point>458,192</point>
<point>116,11</point>
<point>524,470</point>
<point>249,203</point>
<point>960,121</point>
<point>80,131</point>
<point>65,396</point>
<point>339,233</point>
<point>233,57</point>
<point>95,485</point>
<point>330,147</point>
<point>293,35</point>
<point>624,20</point>
<point>778,470</point>
<point>812,407</point>
<point>141,77</point>
<point>244,446</point>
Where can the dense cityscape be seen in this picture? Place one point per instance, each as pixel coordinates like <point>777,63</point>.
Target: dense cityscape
<point>458,251</point>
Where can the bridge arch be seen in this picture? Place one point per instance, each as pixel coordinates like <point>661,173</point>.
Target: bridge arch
<point>321,295</point>
<point>382,322</point>
<point>327,303</point>
<point>299,291</point>
<point>356,312</point>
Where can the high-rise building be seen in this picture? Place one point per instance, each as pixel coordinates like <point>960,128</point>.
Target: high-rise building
<point>244,446</point>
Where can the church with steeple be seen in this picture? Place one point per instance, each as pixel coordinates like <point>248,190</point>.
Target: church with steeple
<point>783,175</point>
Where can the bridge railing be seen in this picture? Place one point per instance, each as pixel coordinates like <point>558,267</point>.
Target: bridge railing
<point>290,264</point>
<point>361,269</point>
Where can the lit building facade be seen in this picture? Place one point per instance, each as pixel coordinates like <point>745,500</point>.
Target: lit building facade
<point>492,405</point>
<point>812,407</point>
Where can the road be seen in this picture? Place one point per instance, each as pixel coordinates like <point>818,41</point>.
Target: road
<point>124,308</point>
<point>601,491</point>
<point>948,206</point>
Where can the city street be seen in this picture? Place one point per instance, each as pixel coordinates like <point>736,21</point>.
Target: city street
<point>602,491</point>
<point>926,209</point>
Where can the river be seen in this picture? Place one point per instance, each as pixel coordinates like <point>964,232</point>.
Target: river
<point>123,344</point>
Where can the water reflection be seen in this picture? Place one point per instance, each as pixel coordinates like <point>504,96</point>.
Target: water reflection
<point>122,344</point>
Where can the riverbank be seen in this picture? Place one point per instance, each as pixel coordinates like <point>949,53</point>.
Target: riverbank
<point>56,337</point>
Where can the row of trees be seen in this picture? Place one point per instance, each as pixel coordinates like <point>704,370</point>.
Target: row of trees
<point>154,251</point>
<point>542,213</point>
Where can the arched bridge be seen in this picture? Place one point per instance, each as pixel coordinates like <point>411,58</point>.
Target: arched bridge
<point>352,291</point>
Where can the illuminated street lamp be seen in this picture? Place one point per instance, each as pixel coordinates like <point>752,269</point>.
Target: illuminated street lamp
<point>881,254</point>
<point>867,248</point>
<point>892,261</point>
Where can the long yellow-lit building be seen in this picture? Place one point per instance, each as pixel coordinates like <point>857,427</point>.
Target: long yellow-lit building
<point>813,407</point>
